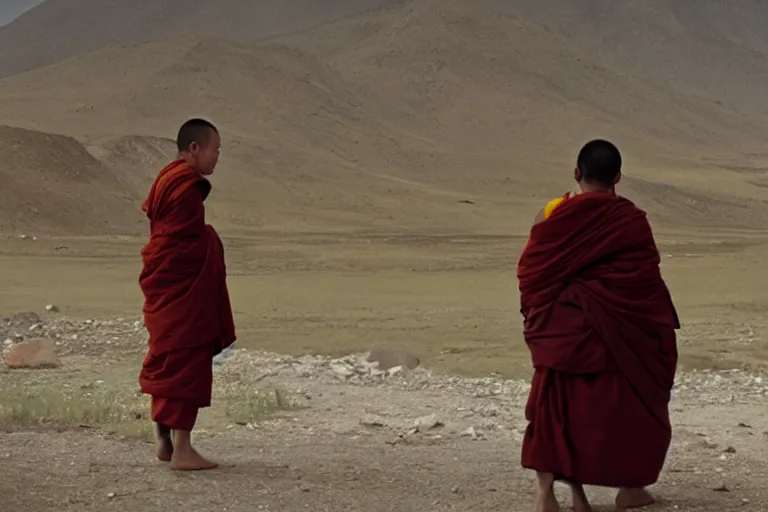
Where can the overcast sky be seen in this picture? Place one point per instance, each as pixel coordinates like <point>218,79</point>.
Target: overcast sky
<point>10,9</point>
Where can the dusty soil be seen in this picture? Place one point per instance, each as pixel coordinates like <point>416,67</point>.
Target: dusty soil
<point>346,439</point>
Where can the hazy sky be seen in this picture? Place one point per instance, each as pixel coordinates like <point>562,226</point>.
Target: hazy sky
<point>10,9</point>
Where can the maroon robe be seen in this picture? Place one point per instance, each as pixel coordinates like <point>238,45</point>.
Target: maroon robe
<point>600,325</point>
<point>187,310</point>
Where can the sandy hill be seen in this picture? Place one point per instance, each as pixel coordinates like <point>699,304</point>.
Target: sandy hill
<point>392,119</point>
<point>712,48</point>
<point>44,34</point>
<point>50,181</point>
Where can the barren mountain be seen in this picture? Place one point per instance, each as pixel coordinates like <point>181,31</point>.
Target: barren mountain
<point>424,115</point>
<point>711,48</point>
<point>50,181</point>
<point>45,34</point>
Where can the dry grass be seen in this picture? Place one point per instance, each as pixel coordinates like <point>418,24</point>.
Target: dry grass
<point>110,410</point>
<point>255,404</point>
<point>119,410</point>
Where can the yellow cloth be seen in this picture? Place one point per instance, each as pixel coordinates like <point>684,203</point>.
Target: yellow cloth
<point>552,206</point>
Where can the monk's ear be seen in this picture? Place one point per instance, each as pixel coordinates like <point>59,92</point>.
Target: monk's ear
<point>194,147</point>
<point>577,174</point>
<point>617,179</point>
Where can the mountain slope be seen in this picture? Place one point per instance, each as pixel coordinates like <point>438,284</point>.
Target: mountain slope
<point>712,48</point>
<point>44,35</point>
<point>395,120</point>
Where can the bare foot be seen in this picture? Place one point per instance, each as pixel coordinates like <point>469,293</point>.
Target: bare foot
<point>579,498</point>
<point>633,498</point>
<point>546,501</point>
<point>190,460</point>
<point>163,443</point>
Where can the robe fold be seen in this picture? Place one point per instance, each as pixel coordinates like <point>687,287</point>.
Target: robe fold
<point>600,325</point>
<point>187,311</point>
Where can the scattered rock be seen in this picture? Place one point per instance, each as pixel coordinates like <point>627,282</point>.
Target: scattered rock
<point>33,354</point>
<point>426,423</point>
<point>52,308</point>
<point>342,371</point>
<point>730,449</point>
<point>471,433</point>
<point>23,321</point>
<point>390,357</point>
<point>721,488</point>
<point>371,421</point>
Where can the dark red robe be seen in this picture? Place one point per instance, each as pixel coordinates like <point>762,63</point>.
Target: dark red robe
<point>187,310</point>
<point>600,325</point>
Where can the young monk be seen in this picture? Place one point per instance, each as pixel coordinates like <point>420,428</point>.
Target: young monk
<point>186,310</point>
<point>600,325</point>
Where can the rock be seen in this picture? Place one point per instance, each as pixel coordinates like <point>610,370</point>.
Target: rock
<point>52,308</point>
<point>470,433</point>
<point>33,354</point>
<point>730,449</point>
<point>8,342</point>
<point>396,370</point>
<point>427,423</point>
<point>342,371</point>
<point>22,321</point>
<point>390,356</point>
<point>721,488</point>
<point>371,421</point>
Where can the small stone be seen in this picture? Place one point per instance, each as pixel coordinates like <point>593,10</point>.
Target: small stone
<point>427,423</point>
<point>397,370</point>
<point>8,342</point>
<point>371,422</point>
<point>730,449</point>
<point>52,308</point>
<point>34,327</point>
<point>111,495</point>
<point>342,371</point>
<point>391,356</point>
<point>33,354</point>
<point>721,488</point>
<point>470,432</point>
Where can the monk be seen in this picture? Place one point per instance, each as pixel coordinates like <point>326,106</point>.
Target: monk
<point>601,328</point>
<point>186,310</point>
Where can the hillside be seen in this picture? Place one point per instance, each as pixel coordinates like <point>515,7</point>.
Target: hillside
<point>44,34</point>
<point>51,181</point>
<point>440,116</point>
<point>711,48</point>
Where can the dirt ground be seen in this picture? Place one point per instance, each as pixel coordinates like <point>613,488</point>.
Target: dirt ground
<point>345,445</point>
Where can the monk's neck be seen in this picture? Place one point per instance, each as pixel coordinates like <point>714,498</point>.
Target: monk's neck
<point>187,159</point>
<point>591,189</point>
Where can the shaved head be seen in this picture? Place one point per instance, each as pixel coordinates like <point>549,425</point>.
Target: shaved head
<point>197,131</point>
<point>599,162</point>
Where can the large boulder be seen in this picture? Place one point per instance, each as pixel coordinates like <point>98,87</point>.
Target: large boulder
<point>33,354</point>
